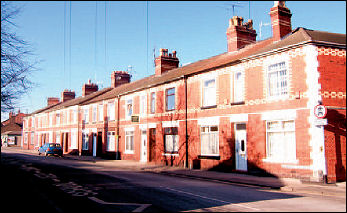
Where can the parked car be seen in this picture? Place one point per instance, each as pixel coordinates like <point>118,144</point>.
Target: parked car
<point>51,149</point>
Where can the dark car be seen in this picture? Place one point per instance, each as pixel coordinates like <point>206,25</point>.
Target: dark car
<point>51,149</point>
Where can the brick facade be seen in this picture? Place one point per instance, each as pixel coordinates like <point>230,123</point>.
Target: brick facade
<point>233,112</point>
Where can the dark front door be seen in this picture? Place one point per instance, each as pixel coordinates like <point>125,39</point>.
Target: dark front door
<point>99,144</point>
<point>152,135</point>
<point>66,140</point>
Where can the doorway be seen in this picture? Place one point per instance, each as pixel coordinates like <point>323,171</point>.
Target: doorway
<point>94,144</point>
<point>99,144</point>
<point>143,157</point>
<point>241,146</point>
<point>152,135</point>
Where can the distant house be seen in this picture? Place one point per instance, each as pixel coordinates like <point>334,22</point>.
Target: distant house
<point>251,109</point>
<point>11,129</point>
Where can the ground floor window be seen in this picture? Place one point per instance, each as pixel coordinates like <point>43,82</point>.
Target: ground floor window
<point>73,140</point>
<point>25,138</point>
<point>171,139</point>
<point>129,141</point>
<point>85,141</point>
<point>32,138</point>
<point>209,140</point>
<point>57,137</point>
<point>280,143</point>
<point>110,141</point>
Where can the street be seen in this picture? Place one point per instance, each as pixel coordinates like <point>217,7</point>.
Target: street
<point>54,184</point>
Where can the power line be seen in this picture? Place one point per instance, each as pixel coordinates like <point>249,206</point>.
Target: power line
<point>147,38</point>
<point>95,38</point>
<point>64,43</point>
<point>70,50</point>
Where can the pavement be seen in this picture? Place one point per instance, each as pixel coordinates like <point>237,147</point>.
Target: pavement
<point>281,184</point>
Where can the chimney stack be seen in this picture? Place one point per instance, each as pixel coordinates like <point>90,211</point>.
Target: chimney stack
<point>52,101</point>
<point>67,95</point>
<point>240,34</point>
<point>280,20</point>
<point>165,62</point>
<point>89,88</point>
<point>119,77</point>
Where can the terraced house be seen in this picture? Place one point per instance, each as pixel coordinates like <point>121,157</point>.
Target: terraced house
<point>250,109</point>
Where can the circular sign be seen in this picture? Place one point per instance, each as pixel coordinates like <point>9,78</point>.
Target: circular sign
<point>320,111</point>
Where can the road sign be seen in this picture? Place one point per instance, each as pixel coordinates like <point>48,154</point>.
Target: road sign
<point>320,111</point>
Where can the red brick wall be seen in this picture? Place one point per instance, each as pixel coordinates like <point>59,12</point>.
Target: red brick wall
<point>332,69</point>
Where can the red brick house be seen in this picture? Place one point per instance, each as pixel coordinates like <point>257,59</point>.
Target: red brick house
<point>250,109</point>
<point>11,129</point>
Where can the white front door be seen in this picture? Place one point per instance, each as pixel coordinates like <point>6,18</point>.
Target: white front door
<point>241,147</point>
<point>94,144</point>
<point>144,146</point>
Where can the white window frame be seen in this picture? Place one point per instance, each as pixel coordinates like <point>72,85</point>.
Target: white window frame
<point>206,100</point>
<point>111,111</point>
<point>32,138</point>
<point>129,137</point>
<point>57,119</point>
<point>32,122</point>
<point>281,156</point>
<point>281,91</point>
<point>94,113</point>
<point>74,115</point>
<point>174,138</point>
<point>153,102</point>
<point>25,138</point>
<point>101,112</point>
<point>128,101</point>
<point>166,98</point>
<point>236,87</point>
<point>86,114</point>
<point>143,104</point>
<point>111,146</point>
<point>210,134</point>
<point>57,137</point>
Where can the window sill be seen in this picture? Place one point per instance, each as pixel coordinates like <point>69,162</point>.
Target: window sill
<point>237,103</point>
<point>213,157</point>
<point>275,160</point>
<point>208,107</point>
<point>128,152</point>
<point>170,154</point>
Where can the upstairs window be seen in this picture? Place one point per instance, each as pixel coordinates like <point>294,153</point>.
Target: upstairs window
<point>209,93</point>
<point>277,80</point>
<point>153,102</point>
<point>101,112</point>
<point>110,111</point>
<point>237,87</point>
<point>94,113</point>
<point>170,99</point>
<point>129,105</point>
<point>86,115</point>
<point>143,104</point>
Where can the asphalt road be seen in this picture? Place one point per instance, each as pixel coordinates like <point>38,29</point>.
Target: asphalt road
<point>53,184</point>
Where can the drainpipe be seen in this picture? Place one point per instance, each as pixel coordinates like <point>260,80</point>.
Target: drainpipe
<point>117,141</point>
<point>186,116</point>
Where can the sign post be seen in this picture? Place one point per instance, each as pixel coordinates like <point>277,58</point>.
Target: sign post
<point>320,112</point>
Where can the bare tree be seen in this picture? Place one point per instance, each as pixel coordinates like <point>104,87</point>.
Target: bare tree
<point>16,64</point>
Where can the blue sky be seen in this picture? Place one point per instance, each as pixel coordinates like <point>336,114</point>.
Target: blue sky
<point>196,30</point>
